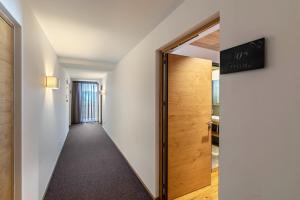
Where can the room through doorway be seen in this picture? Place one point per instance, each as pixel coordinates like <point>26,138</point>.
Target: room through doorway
<point>190,109</point>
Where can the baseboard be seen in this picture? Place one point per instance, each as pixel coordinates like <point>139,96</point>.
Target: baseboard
<point>55,165</point>
<point>139,178</point>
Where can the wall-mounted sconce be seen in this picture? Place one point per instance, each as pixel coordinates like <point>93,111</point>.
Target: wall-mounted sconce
<point>216,75</point>
<point>51,82</point>
<point>102,92</point>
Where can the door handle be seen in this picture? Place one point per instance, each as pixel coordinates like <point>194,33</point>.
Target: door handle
<point>206,139</point>
<point>209,124</point>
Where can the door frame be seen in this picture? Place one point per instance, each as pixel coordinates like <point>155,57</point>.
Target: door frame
<point>17,106</point>
<point>163,101</point>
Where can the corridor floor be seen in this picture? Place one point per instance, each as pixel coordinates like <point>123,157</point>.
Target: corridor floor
<point>90,167</point>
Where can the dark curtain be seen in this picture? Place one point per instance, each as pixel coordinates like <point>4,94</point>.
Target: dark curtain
<point>85,102</point>
<point>76,103</point>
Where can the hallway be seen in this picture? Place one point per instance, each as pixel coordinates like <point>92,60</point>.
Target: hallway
<point>90,167</point>
<point>66,62</point>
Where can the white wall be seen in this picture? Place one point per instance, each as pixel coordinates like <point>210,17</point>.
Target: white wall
<point>259,112</point>
<point>130,116</point>
<point>44,111</point>
<point>260,109</point>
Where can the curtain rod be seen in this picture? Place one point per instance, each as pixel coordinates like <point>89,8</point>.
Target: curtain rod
<point>86,82</point>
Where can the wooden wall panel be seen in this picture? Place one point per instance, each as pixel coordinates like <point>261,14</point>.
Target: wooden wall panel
<point>6,110</point>
<point>211,41</point>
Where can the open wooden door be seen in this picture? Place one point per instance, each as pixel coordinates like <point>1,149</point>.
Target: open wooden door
<point>189,135</point>
<point>6,110</point>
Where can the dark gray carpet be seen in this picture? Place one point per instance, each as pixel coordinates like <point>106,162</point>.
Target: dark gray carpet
<point>90,167</point>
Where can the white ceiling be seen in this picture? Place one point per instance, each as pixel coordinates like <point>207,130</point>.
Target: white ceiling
<point>99,30</point>
<point>85,74</point>
<point>198,52</point>
<point>86,64</point>
<point>85,69</point>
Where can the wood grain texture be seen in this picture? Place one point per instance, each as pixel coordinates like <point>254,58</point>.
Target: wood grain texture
<point>189,141</point>
<point>208,193</point>
<point>6,110</point>
<point>211,41</point>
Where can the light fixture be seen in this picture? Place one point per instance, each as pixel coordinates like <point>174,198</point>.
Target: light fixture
<point>103,92</point>
<point>215,74</point>
<point>51,82</point>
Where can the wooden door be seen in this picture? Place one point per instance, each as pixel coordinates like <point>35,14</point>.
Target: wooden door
<point>6,110</point>
<point>189,111</point>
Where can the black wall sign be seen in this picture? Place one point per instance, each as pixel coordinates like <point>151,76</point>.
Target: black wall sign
<point>244,57</point>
